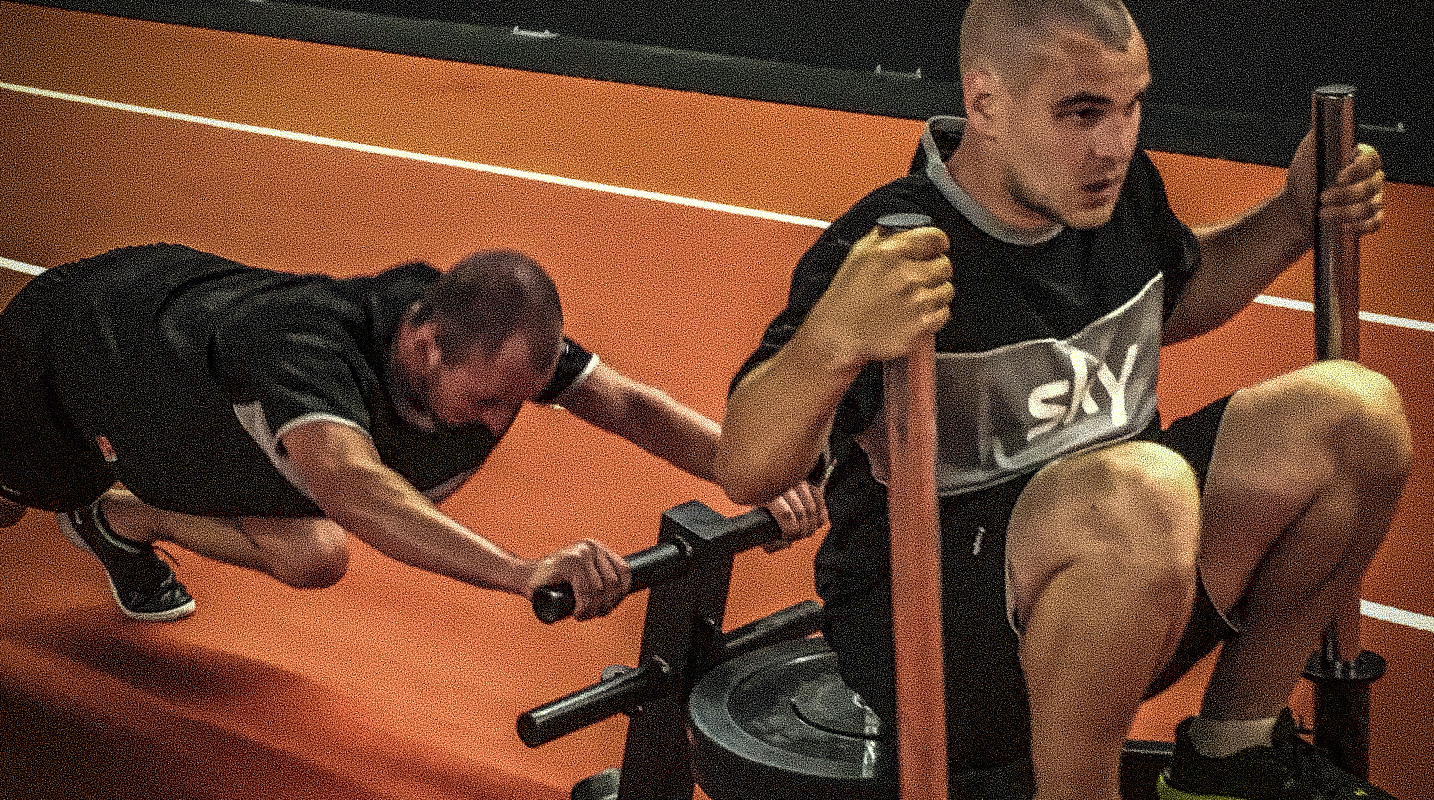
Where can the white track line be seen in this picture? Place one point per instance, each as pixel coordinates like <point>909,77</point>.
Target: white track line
<point>20,266</point>
<point>1299,305</point>
<point>1364,316</point>
<point>1368,608</point>
<point>429,159</point>
<point>1398,616</point>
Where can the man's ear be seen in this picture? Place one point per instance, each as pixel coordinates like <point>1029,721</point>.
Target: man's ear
<point>421,341</point>
<point>980,90</point>
<point>429,333</point>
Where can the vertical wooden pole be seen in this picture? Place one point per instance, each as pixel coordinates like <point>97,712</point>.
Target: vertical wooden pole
<point>910,393</point>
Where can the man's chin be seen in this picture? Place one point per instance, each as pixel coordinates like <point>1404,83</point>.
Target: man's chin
<point>1085,219</point>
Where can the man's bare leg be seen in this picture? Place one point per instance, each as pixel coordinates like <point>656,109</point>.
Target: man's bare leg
<point>1103,549</point>
<point>1307,472</point>
<point>306,553</point>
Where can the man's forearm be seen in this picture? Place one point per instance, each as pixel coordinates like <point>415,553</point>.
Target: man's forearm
<point>649,418</point>
<point>673,432</point>
<point>375,504</point>
<point>1239,258</point>
<point>778,420</point>
<point>401,523</point>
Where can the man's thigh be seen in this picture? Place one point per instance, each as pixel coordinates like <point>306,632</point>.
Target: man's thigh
<point>44,462</point>
<point>291,532</point>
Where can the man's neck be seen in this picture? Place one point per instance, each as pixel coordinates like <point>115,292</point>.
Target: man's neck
<point>980,207</point>
<point>405,360</point>
<point>971,169</point>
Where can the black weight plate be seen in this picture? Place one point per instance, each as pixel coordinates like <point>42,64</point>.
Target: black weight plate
<point>779,721</point>
<point>602,786</point>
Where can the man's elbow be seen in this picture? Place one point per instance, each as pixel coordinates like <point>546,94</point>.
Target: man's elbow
<point>742,483</point>
<point>748,493</point>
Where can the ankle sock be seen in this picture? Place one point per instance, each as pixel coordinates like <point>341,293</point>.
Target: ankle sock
<point>1218,738</point>
<point>102,522</point>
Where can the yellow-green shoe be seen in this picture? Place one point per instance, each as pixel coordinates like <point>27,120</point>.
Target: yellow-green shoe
<point>1290,769</point>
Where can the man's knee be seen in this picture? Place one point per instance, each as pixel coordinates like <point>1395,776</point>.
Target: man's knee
<point>305,554</point>
<point>1131,509</point>
<point>320,564</point>
<point>1349,414</point>
<point>1371,425</point>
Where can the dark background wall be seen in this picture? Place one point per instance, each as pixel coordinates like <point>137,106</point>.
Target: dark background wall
<point>1232,77</point>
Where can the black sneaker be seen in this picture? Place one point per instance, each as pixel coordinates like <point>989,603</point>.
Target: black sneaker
<point>142,584</point>
<point>1290,769</point>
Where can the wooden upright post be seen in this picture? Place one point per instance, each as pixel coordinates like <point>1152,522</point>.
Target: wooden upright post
<point>910,392</point>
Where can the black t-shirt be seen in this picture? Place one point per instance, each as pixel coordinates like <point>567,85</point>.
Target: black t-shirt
<point>191,367</point>
<point>1052,345</point>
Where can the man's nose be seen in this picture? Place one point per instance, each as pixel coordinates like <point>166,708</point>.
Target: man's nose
<point>1115,138</point>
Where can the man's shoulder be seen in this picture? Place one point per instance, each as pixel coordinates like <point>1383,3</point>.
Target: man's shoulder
<point>297,299</point>
<point>412,273</point>
<point>911,192</point>
<point>395,287</point>
<point>323,296</point>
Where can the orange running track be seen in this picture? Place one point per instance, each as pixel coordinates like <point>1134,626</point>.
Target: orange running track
<point>396,684</point>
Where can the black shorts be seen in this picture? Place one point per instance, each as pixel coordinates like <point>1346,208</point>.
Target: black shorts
<point>987,716</point>
<point>44,461</point>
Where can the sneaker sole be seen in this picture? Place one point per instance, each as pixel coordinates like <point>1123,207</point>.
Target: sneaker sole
<point>1165,791</point>
<point>178,612</point>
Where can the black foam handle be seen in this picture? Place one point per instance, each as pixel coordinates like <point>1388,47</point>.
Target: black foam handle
<point>653,565</point>
<point>662,561</point>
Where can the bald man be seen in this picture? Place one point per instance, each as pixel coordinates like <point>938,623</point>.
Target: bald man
<point>262,418</point>
<point>1090,555</point>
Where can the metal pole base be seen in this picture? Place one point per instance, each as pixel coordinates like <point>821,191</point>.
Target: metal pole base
<point>1341,725</point>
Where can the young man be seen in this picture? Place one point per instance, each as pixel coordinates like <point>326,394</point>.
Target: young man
<point>259,417</point>
<point>1089,557</point>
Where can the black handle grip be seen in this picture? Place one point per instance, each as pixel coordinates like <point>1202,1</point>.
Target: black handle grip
<point>650,566</point>
<point>593,704</point>
<point>666,559</point>
<point>893,223</point>
<point>552,603</point>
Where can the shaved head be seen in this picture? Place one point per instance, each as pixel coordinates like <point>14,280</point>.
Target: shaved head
<point>1003,36</point>
<point>1053,91</point>
<point>487,298</point>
